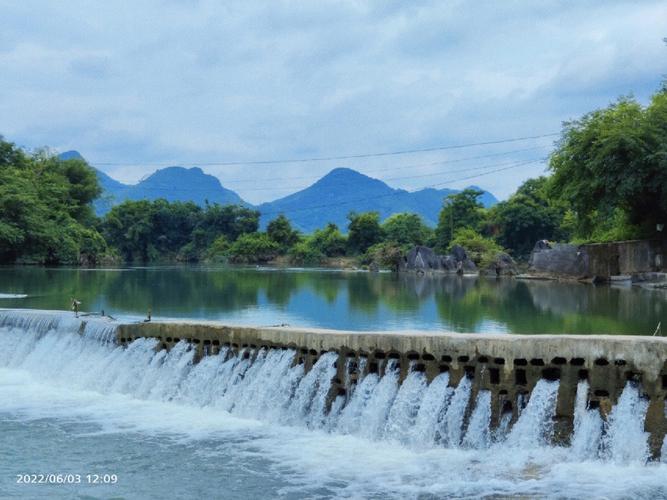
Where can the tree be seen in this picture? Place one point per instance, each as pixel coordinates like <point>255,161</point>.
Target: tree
<point>363,231</point>
<point>253,248</point>
<point>280,230</point>
<point>406,229</point>
<point>328,241</point>
<point>460,210</point>
<point>482,251</point>
<point>527,216</point>
<point>45,212</point>
<point>615,159</point>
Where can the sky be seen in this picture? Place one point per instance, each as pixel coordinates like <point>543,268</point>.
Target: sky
<point>139,85</point>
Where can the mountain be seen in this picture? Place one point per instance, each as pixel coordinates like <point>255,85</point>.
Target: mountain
<point>183,184</point>
<point>330,199</point>
<point>342,190</point>
<point>171,183</point>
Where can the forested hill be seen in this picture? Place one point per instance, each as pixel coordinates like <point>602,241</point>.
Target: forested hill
<point>171,183</point>
<point>330,199</point>
<point>343,190</point>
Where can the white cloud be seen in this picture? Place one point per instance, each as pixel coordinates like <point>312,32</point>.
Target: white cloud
<point>152,82</point>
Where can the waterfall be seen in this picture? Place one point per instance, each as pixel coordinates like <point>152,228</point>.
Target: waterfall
<point>270,385</point>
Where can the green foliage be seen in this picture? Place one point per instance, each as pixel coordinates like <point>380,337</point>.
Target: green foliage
<point>387,255</point>
<point>527,216</point>
<point>153,230</point>
<point>615,159</point>
<point>482,251</point>
<point>329,241</point>
<point>406,229</point>
<point>460,210</point>
<point>363,231</point>
<point>45,213</point>
<point>253,248</point>
<point>305,253</point>
<point>218,250</point>
<point>280,230</point>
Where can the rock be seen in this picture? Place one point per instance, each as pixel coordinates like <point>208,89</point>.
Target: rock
<point>558,260</point>
<point>503,265</point>
<point>423,260</point>
<point>373,267</point>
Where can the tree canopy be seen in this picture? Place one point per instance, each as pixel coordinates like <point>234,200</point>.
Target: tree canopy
<point>460,210</point>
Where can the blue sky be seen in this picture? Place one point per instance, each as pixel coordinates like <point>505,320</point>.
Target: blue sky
<point>143,84</point>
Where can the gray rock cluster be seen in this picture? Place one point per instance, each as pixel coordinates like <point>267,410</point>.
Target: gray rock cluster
<point>424,260</point>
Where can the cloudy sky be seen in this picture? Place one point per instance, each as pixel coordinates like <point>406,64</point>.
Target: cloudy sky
<point>138,85</point>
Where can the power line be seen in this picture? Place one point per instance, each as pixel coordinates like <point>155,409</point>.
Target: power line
<point>440,184</point>
<point>342,157</point>
<point>169,188</point>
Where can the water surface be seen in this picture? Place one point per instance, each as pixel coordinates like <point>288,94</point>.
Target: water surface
<point>341,300</point>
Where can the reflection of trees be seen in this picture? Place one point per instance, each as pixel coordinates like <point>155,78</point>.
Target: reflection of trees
<point>462,303</point>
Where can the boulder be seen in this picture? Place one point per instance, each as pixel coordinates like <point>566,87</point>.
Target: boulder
<point>423,259</point>
<point>503,265</point>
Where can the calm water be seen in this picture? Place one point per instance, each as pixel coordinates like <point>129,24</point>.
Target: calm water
<point>341,300</point>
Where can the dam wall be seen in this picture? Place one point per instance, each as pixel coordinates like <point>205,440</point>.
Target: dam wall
<point>508,367</point>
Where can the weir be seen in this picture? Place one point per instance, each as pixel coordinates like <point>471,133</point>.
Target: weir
<point>603,396</point>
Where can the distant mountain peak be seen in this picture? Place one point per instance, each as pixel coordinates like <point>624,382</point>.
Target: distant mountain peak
<point>70,155</point>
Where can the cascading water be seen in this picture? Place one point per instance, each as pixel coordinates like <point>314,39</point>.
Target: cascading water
<point>268,385</point>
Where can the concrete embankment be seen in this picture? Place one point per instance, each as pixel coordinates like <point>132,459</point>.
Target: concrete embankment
<point>509,366</point>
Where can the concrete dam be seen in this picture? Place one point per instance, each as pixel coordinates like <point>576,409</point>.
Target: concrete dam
<point>600,397</point>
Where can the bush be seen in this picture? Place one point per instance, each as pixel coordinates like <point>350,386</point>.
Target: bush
<point>482,251</point>
<point>253,248</point>
<point>328,241</point>
<point>304,253</point>
<point>218,250</point>
<point>386,255</point>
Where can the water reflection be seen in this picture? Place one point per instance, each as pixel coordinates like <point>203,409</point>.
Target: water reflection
<point>359,301</point>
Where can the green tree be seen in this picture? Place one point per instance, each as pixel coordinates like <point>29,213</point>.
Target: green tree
<point>329,241</point>
<point>253,248</point>
<point>460,210</point>
<point>615,159</point>
<point>406,229</point>
<point>527,216</point>
<point>364,230</point>
<point>482,251</point>
<point>280,230</point>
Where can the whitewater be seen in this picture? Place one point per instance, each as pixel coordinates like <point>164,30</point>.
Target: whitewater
<point>253,424</point>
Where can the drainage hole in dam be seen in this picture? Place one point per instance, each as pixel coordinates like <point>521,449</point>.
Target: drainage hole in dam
<point>520,377</point>
<point>169,339</point>
<point>428,357</point>
<point>379,355</point>
<point>216,342</point>
<point>559,361</point>
<point>593,404</point>
<point>164,346</point>
<point>520,362</point>
<point>235,346</point>
<point>482,359</point>
<point>207,342</point>
<point>537,362</point>
<point>494,375</point>
<point>304,351</point>
<point>601,393</point>
<point>577,361</point>
<point>664,382</point>
<point>620,362</point>
<point>351,354</point>
<point>551,373</point>
<point>395,355</point>
<point>446,359</point>
<point>313,352</point>
<point>601,362</point>
<point>633,376</point>
<point>469,371</point>
<point>444,368</point>
<point>420,367</point>
<point>463,359</point>
<point>176,340</point>
<point>499,361</point>
<point>412,356</point>
<point>244,346</point>
<point>582,374</point>
<point>373,367</point>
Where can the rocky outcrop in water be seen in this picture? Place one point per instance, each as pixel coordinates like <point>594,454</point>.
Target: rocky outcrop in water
<point>424,260</point>
<point>503,265</point>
